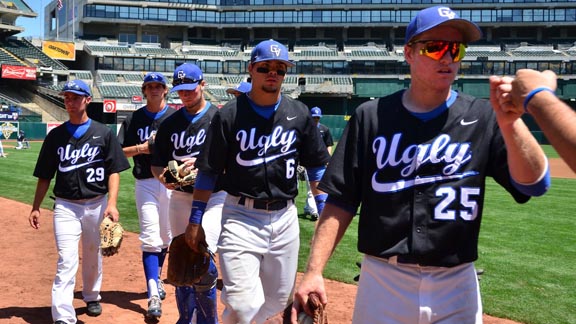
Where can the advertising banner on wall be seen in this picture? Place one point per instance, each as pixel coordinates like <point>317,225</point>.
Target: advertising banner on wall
<point>59,50</point>
<point>18,72</point>
<point>7,129</point>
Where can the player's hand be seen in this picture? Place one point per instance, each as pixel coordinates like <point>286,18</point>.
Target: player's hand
<point>506,112</point>
<point>310,283</point>
<point>189,163</point>
<point>34,219</point>
<point>527,80</point>
<point>195,236</point>
<point>112,213</point>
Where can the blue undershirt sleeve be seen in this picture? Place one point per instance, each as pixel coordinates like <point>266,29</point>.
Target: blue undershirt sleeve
<point>205,181</point>
<point>537,188</point>
<point>316,173</point>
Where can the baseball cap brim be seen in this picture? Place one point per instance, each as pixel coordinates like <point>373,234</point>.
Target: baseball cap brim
<point>149,82</point>
<point>186,86</point>
<point>288,63</point>
<point>470,30</point>
<point>80,93</point>
<point>316,115</point>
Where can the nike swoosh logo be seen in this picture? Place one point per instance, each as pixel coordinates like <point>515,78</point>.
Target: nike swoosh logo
<point>406,184</point>
<point>465,123</point>
<point>181,157</point>
<point>249,163</point>
<point>75,166</point>
<point>291,118</point>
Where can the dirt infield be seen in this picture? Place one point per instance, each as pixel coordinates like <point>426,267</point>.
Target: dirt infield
<point>29,265</point>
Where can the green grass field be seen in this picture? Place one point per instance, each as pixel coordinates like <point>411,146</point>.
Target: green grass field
<point>528,251</point>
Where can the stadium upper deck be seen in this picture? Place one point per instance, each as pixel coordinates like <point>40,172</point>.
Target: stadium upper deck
<point>293,22</point>
<point>346,51</point>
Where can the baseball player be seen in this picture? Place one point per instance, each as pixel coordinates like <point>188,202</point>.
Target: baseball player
<point>86,158</point>
<point>242,87</point>
<point>316,199</point>
<point>181,137</point>
<point>255,144</point>
<point>22,142</point>
<point>137,137</point>
<point>417,162</point>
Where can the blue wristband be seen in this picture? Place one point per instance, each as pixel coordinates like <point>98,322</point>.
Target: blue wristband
<point>198,208</point>
<point>533,93</point>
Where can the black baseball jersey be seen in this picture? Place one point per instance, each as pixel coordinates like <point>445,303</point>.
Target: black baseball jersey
<point>326,135</point>
<point>82,166</point>
<point>137,129</point>
<point>177,138</point>
<point>420,184</point>
<point>258,157</point>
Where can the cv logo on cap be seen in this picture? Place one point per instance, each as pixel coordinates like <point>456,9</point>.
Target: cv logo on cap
<point>275,49</point>
<point>446,12</point>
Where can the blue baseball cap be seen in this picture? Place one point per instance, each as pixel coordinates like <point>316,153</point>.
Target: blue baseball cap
<point>156,77</point>
<point>78,87</point>
<point>432,17</point>
<point>187,76</point>
<point>241,87</point>
<point>270,50</point>
<point>316,112</point>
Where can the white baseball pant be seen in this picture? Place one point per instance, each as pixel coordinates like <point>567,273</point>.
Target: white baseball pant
<point>152,201</point>
<point>258,253</point>
<point>75,220</point>
<point>310,206</point>
<point>180,207</point>
<point>395,293</point>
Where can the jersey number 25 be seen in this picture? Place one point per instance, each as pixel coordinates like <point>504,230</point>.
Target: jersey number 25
<point>469,209</point>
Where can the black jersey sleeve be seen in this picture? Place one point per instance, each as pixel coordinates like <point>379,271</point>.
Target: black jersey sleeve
<point>47,163</point>
<point>116,161</point>
<point>342,177</point>
<point>215,152</point>
<point>313,152</point>
<point>328,140</point>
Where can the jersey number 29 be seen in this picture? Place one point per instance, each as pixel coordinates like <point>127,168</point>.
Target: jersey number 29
<point>95,174</point>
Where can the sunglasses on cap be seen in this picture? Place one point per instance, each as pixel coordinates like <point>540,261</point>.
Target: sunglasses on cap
<point>177,82</point>
<point>262,69</point>
<point>436,49</point>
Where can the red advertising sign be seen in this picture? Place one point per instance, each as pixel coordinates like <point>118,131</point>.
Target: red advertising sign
<point>18,72</point>
<point>136,99</point>
<point>109,106</point>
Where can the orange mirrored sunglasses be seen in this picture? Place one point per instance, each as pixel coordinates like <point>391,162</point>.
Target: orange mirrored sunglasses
<point>436,49</point>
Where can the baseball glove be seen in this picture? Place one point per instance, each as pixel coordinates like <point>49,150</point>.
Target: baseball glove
<point>186,267</point>
<point>179,174</point>
<point>110,237</point>
<point>320,315</point>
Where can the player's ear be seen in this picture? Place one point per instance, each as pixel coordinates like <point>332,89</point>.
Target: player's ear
<point>88,99</point>
<point>408,53</point>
